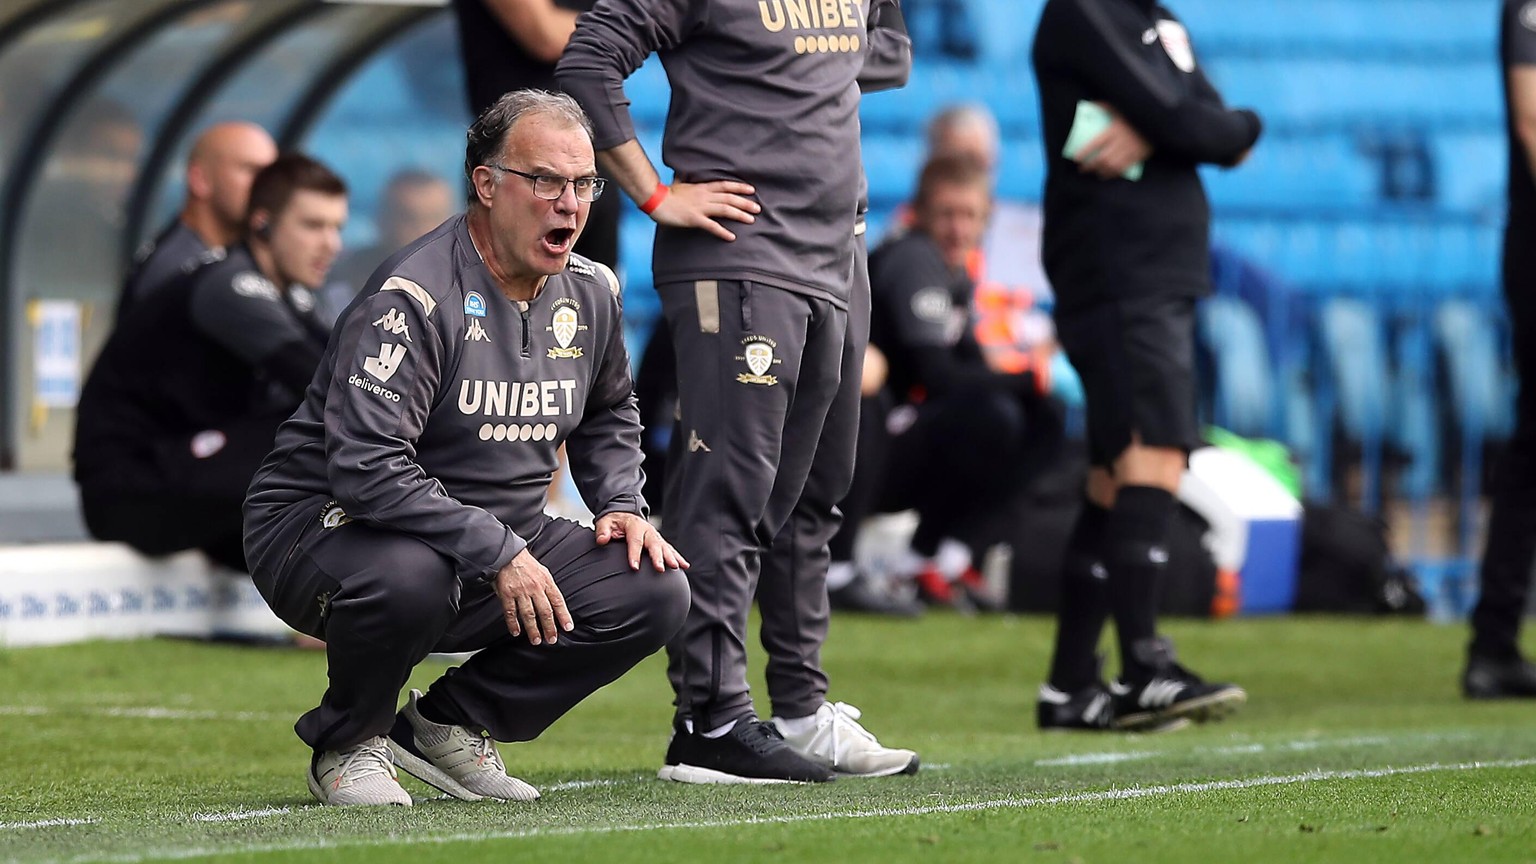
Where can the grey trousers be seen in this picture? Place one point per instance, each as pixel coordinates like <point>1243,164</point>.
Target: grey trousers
<point>382,601</point>
<point>766,451</point>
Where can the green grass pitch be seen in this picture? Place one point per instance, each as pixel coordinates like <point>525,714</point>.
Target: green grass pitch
<point>1355,746</point>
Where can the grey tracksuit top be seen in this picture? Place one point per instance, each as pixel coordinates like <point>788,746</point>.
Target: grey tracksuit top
<point>763,92</point>
<point>440,405</point>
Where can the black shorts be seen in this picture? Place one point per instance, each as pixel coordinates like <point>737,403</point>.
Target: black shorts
<point>1136,359</point>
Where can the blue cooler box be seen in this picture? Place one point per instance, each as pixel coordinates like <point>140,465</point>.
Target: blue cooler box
<point>1255,533</point>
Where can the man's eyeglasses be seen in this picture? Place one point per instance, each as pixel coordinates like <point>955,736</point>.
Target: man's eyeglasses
<point>551,186</point>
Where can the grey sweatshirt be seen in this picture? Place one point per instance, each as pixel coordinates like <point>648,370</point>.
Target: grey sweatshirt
<point>440,405</point>
<point>763,92</point>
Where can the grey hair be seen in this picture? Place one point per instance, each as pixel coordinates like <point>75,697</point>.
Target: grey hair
<point>488,134</point>
<point>959,117</point>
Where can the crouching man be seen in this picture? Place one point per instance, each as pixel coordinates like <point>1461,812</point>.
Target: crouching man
<point>402,509</point>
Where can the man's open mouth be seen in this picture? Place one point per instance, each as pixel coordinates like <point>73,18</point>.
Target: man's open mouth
<point>558,241</point>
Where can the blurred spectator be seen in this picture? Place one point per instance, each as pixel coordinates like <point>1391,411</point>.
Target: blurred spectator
<point>1126,247</point>
<point>1495,667</point>
<point>512,44</point>
<point>187,395</point>
<point>223,162</point>
<point>968,131</point>
<point>414,202</point>
<point>963,435</point>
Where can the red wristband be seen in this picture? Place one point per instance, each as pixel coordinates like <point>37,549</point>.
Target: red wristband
<point>660,195</point>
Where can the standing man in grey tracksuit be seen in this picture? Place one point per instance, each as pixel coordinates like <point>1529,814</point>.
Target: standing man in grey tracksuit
<point>769,318</point>
<point>402,511</point>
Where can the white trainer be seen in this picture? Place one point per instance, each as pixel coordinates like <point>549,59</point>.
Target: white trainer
<point>357,775</point>
<point>462,763</point>
<point>837,741</point>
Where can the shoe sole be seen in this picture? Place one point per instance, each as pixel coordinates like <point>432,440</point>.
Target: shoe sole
<point>708,776</point>
<point>1154,727</point>
<point>1206,709</point>
<point>908,769</point>
<point>319,793</point>
<point>428,773</point>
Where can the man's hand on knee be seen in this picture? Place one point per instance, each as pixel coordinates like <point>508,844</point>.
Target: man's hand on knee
<point>533,603</point>
<point>640,536</point>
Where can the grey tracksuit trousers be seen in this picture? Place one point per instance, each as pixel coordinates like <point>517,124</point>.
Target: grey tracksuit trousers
<point>382,601</point>
<point>768,390</point>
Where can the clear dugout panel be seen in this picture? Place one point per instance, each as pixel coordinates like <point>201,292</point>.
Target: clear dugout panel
<point>403,110</point>
<point>37,62</point>
<point>272,83</point>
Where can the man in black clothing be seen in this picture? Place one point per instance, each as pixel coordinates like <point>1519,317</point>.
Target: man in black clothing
<point>513,44</point>
<point>959,436</point>
<point>1126,247</point>
<point>223,163</point>
<point>1495,667</point>
<point>185,398</point>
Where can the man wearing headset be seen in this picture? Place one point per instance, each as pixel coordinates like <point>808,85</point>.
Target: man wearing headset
<point>187,395</point>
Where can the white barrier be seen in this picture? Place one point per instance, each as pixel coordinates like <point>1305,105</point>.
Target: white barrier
<point>70,592</point>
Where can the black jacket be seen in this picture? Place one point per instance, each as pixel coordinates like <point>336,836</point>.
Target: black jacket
<point>1107,239</point>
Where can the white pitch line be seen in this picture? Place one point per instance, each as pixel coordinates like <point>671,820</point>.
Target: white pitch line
<point>876,813</point>
<point>589,784</point>
<point>240,814</point>
<point>149,712</point>
<point>1110,757</point>
<point>1096,758</point>
<point>44,823</point>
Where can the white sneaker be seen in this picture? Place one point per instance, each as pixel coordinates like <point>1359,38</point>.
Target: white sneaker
<point>462,763</point>
<point>840,743</point>
<point>357,775</point>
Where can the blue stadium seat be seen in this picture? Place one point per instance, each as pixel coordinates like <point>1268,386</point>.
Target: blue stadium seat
<point>1350,380</point>
<point>1244,389</point>
<point>1470,168</point>
<point>1303,170</point>
<point>1380,27</point>
<point>1476,391</point>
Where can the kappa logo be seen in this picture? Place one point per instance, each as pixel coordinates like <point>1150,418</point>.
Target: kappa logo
<point>474,304</point>
<point>383,367</point>
<point>394,322</point>
<point>695,443</point>
<point>332,516</point>
<point>476,333</point>
<point>565,325</point>
<point>757,352</point>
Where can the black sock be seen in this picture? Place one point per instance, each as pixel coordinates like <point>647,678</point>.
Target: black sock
<point>1136,553</point>
<point>1083,604</point>
<point>433,711</point>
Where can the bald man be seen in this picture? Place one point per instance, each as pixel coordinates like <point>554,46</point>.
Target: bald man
<point>968,131</point>
<point>223,162</point>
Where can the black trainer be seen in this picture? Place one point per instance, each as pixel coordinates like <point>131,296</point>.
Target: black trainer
<point>863,595</point>
<point>1173,692</point>
<point>1090,709</point>
<point>752,752</point>
<point>1489,678</point>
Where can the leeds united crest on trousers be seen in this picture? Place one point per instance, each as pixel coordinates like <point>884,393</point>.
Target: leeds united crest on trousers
<point>332,516</point>
<point>757,352</point>
<point>565,325</point>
